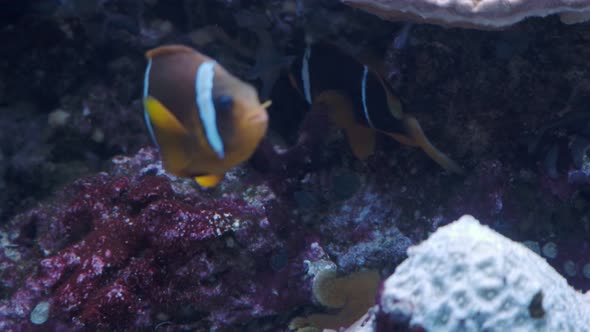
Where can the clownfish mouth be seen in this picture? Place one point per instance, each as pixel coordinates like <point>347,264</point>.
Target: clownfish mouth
<point>259,117</point>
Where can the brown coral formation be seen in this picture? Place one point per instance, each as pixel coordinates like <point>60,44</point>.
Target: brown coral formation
<point>352,295</point>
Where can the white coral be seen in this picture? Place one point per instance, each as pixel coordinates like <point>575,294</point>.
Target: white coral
<point>466,277</point>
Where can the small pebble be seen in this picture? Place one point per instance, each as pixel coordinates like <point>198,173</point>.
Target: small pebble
<point>570,268</point>
<point>162,316</point>
<point>40,314</point>
<point>58,118</point>
<point>550,250</point>
<point>97,136</point>
<point>534,246</point>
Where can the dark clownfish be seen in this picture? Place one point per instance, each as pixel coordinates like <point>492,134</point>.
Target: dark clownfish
<point>203,120</point>
<point>359,101</point>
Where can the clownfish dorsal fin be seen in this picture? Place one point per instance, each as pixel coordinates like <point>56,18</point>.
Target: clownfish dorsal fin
<point>169,134</point>
<point>167,50</point>
<point>204,82</point>
<point>208,181</point>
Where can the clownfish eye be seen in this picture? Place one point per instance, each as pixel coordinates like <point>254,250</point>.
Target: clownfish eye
<point>224,103</point>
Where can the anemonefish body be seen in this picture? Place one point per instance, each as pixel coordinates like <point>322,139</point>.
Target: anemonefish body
<point>359,101</point>
<point>203,120</point>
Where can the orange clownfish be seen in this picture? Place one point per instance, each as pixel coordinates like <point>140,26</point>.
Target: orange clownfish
<point>359,101</point>
<point>203,120</point>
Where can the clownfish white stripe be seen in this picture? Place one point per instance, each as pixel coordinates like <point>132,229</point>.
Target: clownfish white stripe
<point>204,95</point>
<point>305,74</point>
<point>146,85</point>
<point>146,78</point>
<point>364,96</point>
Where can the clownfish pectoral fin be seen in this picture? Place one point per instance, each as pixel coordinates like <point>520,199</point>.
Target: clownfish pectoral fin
<point>169,134</point>
<point>420,139</point>
<point>161,118</point>
<point>361,140</point>
<point>208,181</point>
<point>341,112</point>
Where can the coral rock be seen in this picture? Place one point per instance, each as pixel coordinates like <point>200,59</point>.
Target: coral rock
<point>486,14</point>
<point>132,250</point>
<point>466,277</point>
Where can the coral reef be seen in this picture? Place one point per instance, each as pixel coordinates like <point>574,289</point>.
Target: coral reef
<point>466,277</point>
<point>136,250</point>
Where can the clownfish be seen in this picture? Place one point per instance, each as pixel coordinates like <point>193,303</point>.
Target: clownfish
<point>203,120</point>
<point>359,101</point>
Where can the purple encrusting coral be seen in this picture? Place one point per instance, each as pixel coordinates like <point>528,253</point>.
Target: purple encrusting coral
<point>130,252</point>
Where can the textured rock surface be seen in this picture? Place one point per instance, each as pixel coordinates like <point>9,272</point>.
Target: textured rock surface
<point>478,14</point>
<point>466,277</point>
<point>134,249</point>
